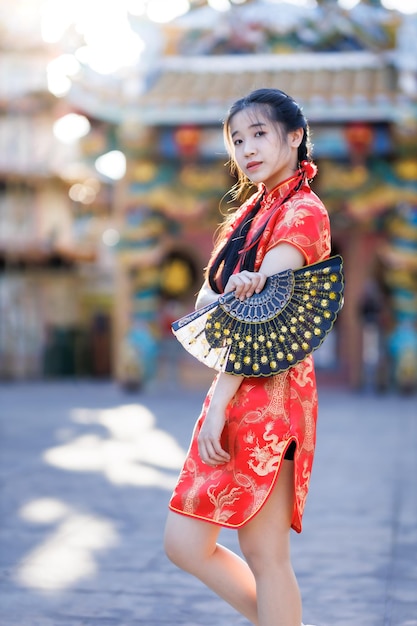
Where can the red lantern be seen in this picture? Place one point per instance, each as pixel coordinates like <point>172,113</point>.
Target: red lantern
<point>359,137</point>
<point>187,140</point>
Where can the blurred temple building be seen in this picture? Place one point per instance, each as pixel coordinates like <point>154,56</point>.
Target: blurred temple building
<point>111,179</point>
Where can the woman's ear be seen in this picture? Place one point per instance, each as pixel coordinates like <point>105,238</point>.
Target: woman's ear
<point>296,137</point>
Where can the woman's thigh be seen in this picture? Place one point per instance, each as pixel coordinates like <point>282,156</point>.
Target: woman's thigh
<point>266,536</point>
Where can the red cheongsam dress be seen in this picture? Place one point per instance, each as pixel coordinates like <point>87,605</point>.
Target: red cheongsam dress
<point>266,414</point>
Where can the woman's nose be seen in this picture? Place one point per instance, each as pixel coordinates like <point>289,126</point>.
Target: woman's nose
<point>249,148</point>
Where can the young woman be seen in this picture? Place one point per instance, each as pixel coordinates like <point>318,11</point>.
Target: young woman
<point>251,454</point>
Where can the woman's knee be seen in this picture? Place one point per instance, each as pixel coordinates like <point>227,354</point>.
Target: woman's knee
<point>175,545</point>
<point>262,554</point>
<point>187,542</point>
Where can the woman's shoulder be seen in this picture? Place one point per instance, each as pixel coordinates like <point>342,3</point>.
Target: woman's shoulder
<point>307,199</point>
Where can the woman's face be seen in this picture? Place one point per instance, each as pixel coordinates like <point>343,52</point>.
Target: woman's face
<point>262,149</point>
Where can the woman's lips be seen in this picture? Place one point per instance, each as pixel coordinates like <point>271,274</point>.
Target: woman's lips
<point>253,165</point>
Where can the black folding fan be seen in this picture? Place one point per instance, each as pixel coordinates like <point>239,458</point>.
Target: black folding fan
<point>270,331</point>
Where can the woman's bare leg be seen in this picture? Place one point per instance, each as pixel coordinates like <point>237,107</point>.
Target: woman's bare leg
<point>265,543</point>
<point>192,545</point>
<point>266,592</point>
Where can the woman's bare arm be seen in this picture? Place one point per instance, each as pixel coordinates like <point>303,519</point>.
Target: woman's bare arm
<point>282,257</point>
<point>209,446</point>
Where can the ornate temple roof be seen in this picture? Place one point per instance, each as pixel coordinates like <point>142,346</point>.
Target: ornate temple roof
<point>329,86</point>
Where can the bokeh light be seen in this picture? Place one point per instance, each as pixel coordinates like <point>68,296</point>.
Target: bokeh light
<point>59,71</point>
<point>348,4</point>
<point>219,5</point>
<point>163,11</point>
<point>111,237</point>
<point>82,193</point>
<point>112,164</point>
<point>136,7</point>
<point>58,84</point>
<point>71,127</point>
<point>109,39</point>
<point>404,6</point>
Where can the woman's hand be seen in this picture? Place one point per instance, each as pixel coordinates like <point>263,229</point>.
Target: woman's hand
<point>209,437</point>
<point>245,284</point>
<point>209,447</point>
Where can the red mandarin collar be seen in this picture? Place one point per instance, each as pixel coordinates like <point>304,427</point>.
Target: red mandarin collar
<point>281,191</point>
<point>285,188</point>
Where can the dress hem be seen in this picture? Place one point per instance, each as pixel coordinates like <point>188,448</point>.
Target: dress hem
<point>297,529</point>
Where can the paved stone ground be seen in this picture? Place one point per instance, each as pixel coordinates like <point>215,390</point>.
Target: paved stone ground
<point>86,473</point>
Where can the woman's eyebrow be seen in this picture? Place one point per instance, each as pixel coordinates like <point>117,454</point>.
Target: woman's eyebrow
<point>235,132</point>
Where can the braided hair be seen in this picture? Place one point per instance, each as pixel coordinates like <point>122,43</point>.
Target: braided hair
<point>286,114</point>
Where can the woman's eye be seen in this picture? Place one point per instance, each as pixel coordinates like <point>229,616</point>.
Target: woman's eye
<point>237,142</point>
<point>259,133</point>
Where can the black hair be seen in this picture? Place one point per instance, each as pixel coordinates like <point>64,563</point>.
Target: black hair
<point>281,109</point>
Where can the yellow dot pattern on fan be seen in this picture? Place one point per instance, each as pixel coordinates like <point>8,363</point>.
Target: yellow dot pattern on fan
<point>271,331</point>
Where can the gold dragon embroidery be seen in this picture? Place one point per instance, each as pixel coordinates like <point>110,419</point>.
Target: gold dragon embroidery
<point>265,459</point>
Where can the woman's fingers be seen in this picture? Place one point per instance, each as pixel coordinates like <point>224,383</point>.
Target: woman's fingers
<point>260,280</point>
<point>212,453</point>
<point>210,456</point>
<point>245,284</point>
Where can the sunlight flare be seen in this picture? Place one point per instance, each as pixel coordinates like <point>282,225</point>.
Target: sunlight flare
<point>135,452</point>
<point>68,554</point>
